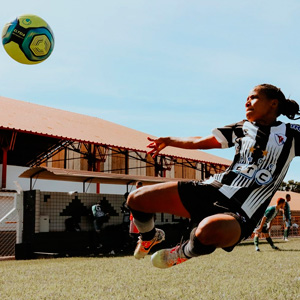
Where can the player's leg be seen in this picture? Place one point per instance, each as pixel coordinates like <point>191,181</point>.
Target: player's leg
<point>256,241</point>
<point>286,230</point>
<point>220,230</point>
<point>216,231</point>
<point>146,201</point>
<point>270,241</point>
<point>162,197</point>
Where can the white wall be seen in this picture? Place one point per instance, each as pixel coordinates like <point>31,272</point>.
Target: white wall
<point>13,173</point>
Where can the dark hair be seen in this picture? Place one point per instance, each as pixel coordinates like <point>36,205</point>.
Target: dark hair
<point>287,107</point>
<point>139,183</point>
<point>279,201</point>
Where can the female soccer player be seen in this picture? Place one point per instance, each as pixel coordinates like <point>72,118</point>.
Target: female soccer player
<point>227,206</point>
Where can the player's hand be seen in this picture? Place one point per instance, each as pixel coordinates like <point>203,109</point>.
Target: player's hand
<point>157,145</point>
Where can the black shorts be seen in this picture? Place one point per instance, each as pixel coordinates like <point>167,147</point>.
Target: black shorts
<point>203,200</point>
<point>98,222</point>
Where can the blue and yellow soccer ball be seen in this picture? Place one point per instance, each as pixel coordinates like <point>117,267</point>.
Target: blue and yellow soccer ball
<point>28,39</point>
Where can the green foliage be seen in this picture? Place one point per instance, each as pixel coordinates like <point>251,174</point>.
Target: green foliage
<point>241,274</point>
<point>291,185</point>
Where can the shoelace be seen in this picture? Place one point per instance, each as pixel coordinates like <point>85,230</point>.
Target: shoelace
<point>178,247</point>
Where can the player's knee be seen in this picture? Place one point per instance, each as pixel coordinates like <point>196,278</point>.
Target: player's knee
<point>206,232</point>
<point>219,230</point>
<point>136,206</point>
<point>133,199</point>
<point>195,248</point>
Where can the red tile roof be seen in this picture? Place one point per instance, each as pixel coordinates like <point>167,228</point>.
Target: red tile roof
<point>47,121</point>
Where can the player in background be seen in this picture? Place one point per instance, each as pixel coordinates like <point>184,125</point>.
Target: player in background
<point>266,223</point>
<point>229,205</point>
<point>287,218</point>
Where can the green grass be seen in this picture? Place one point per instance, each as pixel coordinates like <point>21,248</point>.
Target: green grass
<point>241,274</point>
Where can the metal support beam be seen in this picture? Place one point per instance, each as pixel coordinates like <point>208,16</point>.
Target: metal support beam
<point>4,167</point>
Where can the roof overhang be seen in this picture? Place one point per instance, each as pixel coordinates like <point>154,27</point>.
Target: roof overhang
<point>48,173</point>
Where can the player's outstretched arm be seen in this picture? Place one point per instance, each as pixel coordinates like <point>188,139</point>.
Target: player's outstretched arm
<point>157,145</point>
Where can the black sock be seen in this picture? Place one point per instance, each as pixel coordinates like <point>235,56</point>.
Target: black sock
<point>269,240</point>
<point>148,236</point>
<point>194,247</point>
<point>183,246</point>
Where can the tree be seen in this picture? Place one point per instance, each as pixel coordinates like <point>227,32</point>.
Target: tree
<point>291,185</point>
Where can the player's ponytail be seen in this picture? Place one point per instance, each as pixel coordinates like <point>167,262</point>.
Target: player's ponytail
<point>287,107</point>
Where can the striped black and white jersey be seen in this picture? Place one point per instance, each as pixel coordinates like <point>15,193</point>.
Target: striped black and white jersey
<point>262,158</point>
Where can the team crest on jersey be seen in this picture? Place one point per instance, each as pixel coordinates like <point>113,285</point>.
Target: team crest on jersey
<point>280,139</point>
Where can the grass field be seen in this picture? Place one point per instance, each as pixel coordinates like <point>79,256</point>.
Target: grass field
<point>241,274</point>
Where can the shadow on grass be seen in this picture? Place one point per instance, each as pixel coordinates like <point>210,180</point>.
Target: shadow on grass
<point>289,250</point>
<point>277,242</point>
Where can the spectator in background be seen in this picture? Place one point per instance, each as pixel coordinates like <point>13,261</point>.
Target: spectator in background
<point>287,218</point>
<point>99,216</point>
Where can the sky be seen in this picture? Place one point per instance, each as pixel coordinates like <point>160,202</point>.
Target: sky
<point>163,67</point>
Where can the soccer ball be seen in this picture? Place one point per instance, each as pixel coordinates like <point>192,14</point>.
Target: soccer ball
<point>28,39</point>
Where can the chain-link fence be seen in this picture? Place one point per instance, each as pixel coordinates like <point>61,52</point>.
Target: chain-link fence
<point>277,229</point>
<point>10,222</point>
